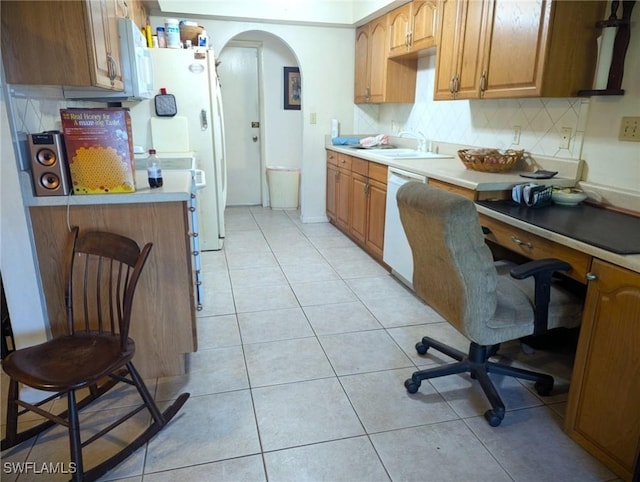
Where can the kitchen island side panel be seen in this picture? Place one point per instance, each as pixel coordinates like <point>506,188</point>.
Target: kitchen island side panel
<point>163,322</point>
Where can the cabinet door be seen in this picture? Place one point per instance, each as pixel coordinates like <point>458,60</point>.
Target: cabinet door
<point>470,53</point>
<point>602,411</point>
<point>423,24</point>
<point>361,86</point>
<point>376,205</point>
<point>377,59</point>
<point>448,27</point>
<point>103,44</point>
<point>332,181</point>
<point>514,48</point>
<point>358,224</point>
<point>399,21</point>
<point>343,199</point>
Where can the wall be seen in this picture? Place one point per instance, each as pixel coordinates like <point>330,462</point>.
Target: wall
<point>282,129</point>
<point>17,260</point>
<point>327,91</point>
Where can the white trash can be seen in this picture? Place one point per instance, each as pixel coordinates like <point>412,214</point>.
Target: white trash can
<point>284,187</point>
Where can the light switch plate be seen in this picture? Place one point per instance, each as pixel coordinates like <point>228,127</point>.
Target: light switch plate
<point>630,129</point>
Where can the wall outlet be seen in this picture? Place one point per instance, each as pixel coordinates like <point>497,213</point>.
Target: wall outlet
<point>630,129</point>
<point>565,138</point>
<point>516,135</point>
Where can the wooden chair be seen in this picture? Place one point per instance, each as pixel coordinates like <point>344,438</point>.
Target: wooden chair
<point>96,353</point>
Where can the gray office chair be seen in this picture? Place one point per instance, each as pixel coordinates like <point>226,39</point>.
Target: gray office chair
<point>489,303</point>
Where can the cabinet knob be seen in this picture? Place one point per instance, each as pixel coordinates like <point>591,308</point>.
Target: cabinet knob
<point>591,276</point>
<point>519,242</point>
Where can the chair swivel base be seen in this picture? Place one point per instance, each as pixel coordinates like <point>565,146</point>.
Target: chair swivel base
<point>476,363</point>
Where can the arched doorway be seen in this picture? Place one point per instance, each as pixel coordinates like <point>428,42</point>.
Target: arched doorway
<point>274,138</point>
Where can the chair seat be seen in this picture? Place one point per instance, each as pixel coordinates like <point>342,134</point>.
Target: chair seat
<point>513,317</point>
<point>68,362</point>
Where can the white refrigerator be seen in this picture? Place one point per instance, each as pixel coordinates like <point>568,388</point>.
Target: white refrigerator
<point>197,127</point>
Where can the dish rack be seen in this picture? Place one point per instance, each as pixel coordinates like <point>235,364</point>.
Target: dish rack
<point>532,195</point>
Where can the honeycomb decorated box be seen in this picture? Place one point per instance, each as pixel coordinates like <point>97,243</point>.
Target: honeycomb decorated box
<point>99,150</point>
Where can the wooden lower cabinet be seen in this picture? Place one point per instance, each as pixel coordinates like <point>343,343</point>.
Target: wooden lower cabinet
<point>356,200</point>
<point>163,324</point>
<point>603,411</point>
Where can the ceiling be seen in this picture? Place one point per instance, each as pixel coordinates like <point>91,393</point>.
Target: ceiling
<point>306,12</point>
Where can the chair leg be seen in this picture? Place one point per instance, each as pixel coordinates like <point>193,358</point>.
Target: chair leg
<point>496,414</point>
<point>544,382</point>
<point>412,384</point>
<point>442,348</point>
<point>12,415</point>
<point>145,395</point>
<point>75,444</point>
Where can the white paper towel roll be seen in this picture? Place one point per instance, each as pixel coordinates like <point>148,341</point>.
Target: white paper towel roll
<point>335,128</point>
<point>605,57</point>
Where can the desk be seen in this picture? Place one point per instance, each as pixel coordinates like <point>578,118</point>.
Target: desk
<point>602,411</point>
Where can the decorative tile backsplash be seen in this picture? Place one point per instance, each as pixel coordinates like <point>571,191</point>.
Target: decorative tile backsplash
<point>484,123</point>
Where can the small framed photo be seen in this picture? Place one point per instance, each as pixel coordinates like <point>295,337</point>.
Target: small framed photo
<point>292,88</point>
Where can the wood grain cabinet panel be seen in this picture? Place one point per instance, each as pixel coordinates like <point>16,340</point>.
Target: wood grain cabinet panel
<point>163,324</point>
<point>379,79</point>
<point>72,43</point>
<point>412,28</point>
<point>604,396</point>
<point>516,48</point>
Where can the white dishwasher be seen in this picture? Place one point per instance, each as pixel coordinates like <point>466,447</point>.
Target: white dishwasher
<point>397,252</point>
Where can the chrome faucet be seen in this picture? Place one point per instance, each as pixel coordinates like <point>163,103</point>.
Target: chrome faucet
<point>421,138</point>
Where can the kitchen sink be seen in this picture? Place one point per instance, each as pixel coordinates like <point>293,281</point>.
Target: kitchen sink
<point>405,154</point>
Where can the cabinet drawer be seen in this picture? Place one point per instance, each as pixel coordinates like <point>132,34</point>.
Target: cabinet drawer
<point>378,172</point>
<point>463,191</point>
<point>536,247</point>
<point>344,161</point>
<point>332,158</point>
<point>360,166</point>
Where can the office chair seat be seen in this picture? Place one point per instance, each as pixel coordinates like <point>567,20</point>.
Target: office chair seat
<point>488,302</point>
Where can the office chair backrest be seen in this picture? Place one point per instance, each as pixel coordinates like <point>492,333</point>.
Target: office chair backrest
<point>453,268</point>
<point>103,271</point>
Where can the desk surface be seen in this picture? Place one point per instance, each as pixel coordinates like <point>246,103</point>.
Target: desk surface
<point>609,230</point>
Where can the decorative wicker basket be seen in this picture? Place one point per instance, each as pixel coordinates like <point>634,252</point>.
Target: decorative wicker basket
<point>489,160</point>
<point>188,32</point>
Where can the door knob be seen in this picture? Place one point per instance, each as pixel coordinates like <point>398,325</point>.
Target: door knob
<point>255,138</point>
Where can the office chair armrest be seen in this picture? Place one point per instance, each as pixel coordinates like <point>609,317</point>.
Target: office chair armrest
<point>542,270</point>
<point>532,268</point>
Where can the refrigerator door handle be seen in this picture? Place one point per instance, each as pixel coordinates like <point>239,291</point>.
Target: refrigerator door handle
<point>204,124</point>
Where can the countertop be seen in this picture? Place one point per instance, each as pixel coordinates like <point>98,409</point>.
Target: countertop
<point>629,261</point>
<point>176,187</point>
<point>452,170</point>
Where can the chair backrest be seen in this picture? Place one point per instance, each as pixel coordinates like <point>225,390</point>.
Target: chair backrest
<point>453,268</point>
<point>101,279</point>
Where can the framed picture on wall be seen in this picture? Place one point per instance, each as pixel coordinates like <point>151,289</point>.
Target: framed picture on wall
<point>292,88</point>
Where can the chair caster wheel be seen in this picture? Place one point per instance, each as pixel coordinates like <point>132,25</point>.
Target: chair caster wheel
<point>493,419</point>
<point>421,348</point>
<point>543,388</point>
<point>411,385</point>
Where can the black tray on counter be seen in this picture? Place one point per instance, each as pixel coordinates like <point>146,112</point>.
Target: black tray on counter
<point>610,230</point>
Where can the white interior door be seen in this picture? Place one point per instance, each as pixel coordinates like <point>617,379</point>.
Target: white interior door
<point>238,72</point>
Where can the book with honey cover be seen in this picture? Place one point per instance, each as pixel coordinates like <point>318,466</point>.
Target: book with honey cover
<point>99,150</point>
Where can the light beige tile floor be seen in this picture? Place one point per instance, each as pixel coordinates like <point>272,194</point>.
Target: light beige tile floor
<point>304,344</point>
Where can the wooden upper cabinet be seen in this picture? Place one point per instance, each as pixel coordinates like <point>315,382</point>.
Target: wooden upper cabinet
<point>71,43</point>
<point>377,78</point>
<point>507,48</point>
<point>412,27</point>
<point>361,87</point>
<point>424,19</point>
<point>461,30</point>
<point>377,60</point>
<point>399,24</point>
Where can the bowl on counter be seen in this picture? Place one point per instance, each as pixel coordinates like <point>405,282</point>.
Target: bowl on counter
<point>567,196</point>
<point>490,160</point>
